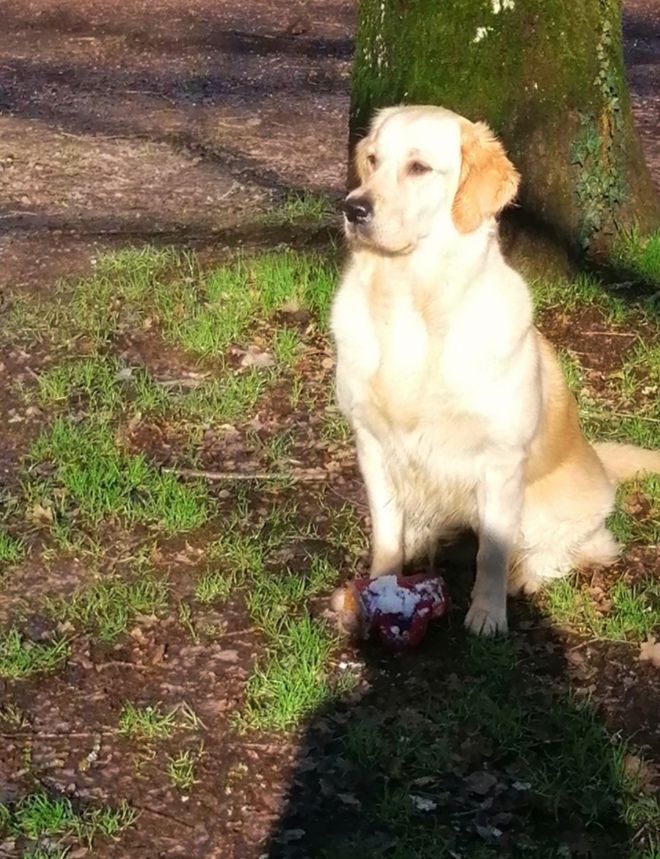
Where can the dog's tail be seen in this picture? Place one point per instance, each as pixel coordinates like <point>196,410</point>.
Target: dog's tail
<point>625,461</point>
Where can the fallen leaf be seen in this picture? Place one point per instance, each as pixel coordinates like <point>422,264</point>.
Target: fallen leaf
<point>226,655</point>
<point>349,799</point>
<point>650,652</point>
<point>480,782</point>
<point>291,835</point>
<point>254,357</point>
<point>42,514</point>
<point>423,803</point>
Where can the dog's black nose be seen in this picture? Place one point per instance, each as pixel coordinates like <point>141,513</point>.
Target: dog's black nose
<point>358,210</point>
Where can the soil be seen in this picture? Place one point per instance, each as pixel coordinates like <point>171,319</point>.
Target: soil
<point>175,121</point>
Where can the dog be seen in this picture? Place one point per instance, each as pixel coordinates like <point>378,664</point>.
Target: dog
<point>461,414</point>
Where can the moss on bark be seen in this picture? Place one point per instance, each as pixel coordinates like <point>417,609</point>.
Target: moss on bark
<point>546,74</point>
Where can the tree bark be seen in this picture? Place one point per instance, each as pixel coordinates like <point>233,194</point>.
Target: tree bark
<point>547,75</point>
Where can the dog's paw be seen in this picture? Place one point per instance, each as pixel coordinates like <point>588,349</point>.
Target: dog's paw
<point>486,621</point>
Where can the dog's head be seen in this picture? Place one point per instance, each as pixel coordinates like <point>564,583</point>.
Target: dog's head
<point>425,171</point>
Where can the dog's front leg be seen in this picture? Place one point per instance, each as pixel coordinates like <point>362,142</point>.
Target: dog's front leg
<point>385,510</point>
<point>499,502</point>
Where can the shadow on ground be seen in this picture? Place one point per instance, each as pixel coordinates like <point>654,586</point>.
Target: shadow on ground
<point>466,748</point>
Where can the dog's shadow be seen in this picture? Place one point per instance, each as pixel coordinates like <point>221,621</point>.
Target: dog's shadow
<point>467,747</point>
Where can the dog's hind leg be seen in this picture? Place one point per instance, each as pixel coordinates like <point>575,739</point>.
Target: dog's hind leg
<point>600,548</point>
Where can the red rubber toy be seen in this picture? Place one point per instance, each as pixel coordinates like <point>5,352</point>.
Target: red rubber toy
<point>397,609</point>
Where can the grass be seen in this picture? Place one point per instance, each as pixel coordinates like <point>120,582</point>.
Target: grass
<point>102,384</point>
<point>335,428</point>
<point>106,389</point>
<point>292,681</point>
<point>21,658</point>
<point>639,255</point>
<point>633,613</point>
<point>147,723</point>
<point>200,312</point>
<point>301,209</point>
<point>96,480</point>
<point>286,347</point>
<point>637,515</point>
<point>150,723</point>
<point>278,550</point>
<point>214,587</point>
<point>582,291</point>
<point>181,768</point>
<point>47,817</point>
<point>12,549</point>
<point>488,710</point>
<point>109,606</point>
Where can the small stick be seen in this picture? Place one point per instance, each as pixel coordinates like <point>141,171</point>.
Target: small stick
<point>613,333</point>
<point>162,814</point>
<point>236,632</point>
<point>638,417</point>
<point>237,475</point>
<point>48,735</point>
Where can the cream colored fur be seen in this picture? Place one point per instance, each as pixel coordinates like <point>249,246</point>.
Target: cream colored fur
<point>461,413</point>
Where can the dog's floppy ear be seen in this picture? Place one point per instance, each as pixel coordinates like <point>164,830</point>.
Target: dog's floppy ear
<point>488,179</point>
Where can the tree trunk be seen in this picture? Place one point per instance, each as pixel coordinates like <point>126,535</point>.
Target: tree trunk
<point>547,75</point>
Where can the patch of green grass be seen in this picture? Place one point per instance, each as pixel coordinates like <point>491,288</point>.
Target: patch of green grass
<point>99,481</point>
<point>640,255</point>
<point>292,680</point>
<point>21,658</point>
<point>201,312</point>
<point>634,612</point>
<point>109,606</point>
<point>13,716</point>
<point>12,549</point>
<point>51,852</point>
<point>147,723</point>
<point>335,428</point>
<point>43,816</point>
<point>24,320</point>
<point>640,374</point>
<point>277,449</point>
<point>103,385</point>
<point>583,291</point>
<point>286,347</point>
<point>214,586</point>
<point>219,315</point>
<point>106,389</point>
<point>150,723</point>
<point>302,208</point>
<point>181,768</point>
<point>572,369</point>
<point>121,289</point>
<point>345,530</point>
<point>296,390</point>
<point>242,554</point>
<point>227,400</point>
<point>637,515</point>
<point>489,710</point>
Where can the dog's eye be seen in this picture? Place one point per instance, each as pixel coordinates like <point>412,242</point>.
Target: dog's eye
<point>371,160</point>
<point>418,168</point>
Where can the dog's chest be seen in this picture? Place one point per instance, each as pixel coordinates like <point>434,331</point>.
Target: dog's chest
<point>388,338</point>
<point>390,363</point>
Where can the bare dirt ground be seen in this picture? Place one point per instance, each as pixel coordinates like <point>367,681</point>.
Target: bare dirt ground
<point>170,120</point>
<point>143,121</point>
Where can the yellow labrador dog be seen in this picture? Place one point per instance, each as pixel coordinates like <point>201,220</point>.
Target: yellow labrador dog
<point>460,410</point>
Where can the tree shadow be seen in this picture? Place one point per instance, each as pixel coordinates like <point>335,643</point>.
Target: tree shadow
<point>465,748</point>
